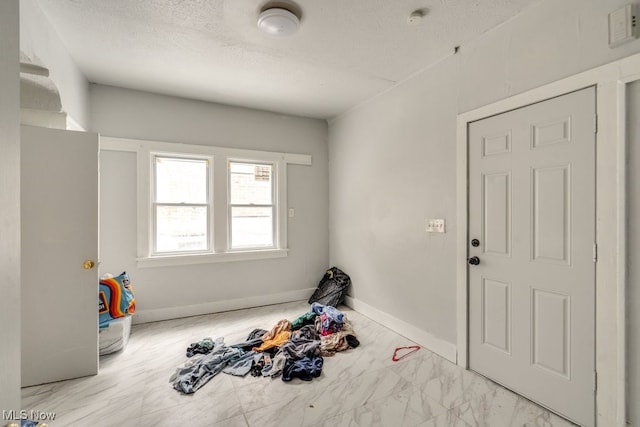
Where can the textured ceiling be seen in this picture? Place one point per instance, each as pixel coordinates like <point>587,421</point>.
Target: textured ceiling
<point>343,53</point>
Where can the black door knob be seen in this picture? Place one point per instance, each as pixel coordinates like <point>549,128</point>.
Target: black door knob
<point>474,260</point>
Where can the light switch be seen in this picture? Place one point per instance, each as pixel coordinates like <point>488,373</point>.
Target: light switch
<point>435,225</point>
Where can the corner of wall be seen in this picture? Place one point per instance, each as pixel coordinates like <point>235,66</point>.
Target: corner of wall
<point>430,342</point>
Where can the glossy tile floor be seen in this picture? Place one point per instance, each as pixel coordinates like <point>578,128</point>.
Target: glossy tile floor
<point>358,387</point>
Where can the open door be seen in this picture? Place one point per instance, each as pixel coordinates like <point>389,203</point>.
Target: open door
<point>59,212</point>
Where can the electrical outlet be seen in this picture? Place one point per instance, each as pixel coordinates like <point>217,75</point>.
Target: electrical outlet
<point>435,225</point>
<point>292,212</point>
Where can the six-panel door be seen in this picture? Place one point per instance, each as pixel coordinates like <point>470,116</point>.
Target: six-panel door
<point>532,207</point>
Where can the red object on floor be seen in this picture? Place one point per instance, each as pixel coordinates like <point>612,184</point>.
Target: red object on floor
<point>413,349</point>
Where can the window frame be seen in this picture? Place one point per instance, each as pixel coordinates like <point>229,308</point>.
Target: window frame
<point>274,205</point>
<point>153,244</point>
<point>219,217</point>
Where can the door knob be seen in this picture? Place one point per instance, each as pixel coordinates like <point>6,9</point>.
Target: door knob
<point>474,260</point>
<point>88,264</point>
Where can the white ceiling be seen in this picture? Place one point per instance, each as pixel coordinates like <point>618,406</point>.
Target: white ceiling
<point>344,52</point>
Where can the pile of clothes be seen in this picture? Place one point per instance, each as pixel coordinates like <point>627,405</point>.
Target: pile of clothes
<point>290,349</point>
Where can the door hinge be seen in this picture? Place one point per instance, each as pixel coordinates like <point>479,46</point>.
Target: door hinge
<point>595,123</point>
<point>595,381</point>
<point>595,252</point>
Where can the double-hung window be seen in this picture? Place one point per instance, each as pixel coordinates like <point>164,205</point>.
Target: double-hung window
<point>181,205</point>
<point>201,204</point>
<point>252,208</point>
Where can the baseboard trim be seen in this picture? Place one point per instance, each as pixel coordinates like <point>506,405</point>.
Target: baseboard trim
<point>430,342</point>
<point>158,314</point>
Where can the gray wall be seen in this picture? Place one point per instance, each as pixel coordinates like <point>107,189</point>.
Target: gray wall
<point>393,159</point>
<point>633,249</point>
<point>9,207</point>
<point>124,113</point>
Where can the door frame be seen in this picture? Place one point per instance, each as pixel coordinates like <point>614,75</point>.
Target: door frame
<point>610,81</point>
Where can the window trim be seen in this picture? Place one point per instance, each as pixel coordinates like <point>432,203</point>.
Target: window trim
<point>275,207</point>
<point>218,187</point>
<point>153,218</point>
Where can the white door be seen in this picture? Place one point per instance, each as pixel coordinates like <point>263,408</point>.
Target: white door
<point>532,212</point>
<point>59,205</point>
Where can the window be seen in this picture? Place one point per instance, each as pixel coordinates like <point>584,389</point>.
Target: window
<point>203,204</point>
<point>181,208</point>
<point>251,205</point>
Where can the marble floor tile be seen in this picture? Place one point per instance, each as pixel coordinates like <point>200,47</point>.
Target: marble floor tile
<point>549,419</point>
<point>119,411</point>
<point>358,387</point>
<point>500,408</point>
<point>350,394</point>
<point>407,407</point>
<point>445,420</point>
<point>159,393</point>
<point>418,368</point>
<point>218,409</point>
<point>448,384</point>
<point>264,392</point>
<point>454,385</point>
<point>294,412</point>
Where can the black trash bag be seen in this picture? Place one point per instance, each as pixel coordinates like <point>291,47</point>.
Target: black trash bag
<point>332,288</point>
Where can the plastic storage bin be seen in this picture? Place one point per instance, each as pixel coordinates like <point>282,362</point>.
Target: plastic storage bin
<point>115,336</point>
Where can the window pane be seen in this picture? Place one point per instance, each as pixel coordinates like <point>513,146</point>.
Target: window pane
<point>181,228</point>
<point>251,183</point>
<point>251,227</point>
<point>181,180</point>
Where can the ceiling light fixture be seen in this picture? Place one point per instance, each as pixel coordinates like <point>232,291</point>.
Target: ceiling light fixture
<point>277,21</point>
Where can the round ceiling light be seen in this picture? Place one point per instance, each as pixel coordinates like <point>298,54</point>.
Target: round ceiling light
<point>278,22</point>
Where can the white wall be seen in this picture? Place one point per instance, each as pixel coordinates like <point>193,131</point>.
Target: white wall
<point>173,291</point>
<point>38,39</point>
<point>391,166</point>
<point>9,206</point>
<point>392,160</point>
<point>633,249</point>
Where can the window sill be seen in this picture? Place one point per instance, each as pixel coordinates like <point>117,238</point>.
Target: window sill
<point>169,260</point>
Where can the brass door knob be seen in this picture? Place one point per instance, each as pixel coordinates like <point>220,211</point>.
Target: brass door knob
<point>88,264</point>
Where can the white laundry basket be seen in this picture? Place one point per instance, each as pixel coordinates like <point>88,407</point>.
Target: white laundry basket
<point>115,336</point>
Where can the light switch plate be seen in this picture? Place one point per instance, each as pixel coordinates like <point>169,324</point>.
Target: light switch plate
<point>435,225</point>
